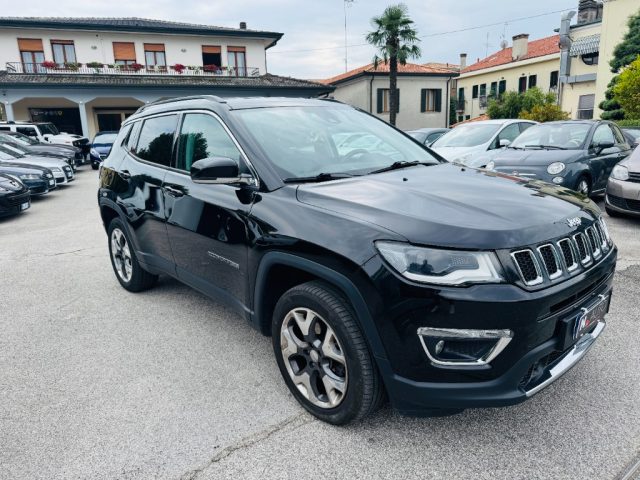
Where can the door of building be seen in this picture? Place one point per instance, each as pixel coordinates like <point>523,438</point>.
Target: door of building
<point>109,122</point>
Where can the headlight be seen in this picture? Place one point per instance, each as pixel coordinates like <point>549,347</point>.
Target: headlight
<point>620,172</point>
<point>48,175</point>
<point>605,229</point>
<point>30,176</point>
<point>441,267</point>
<point>555,168</point>
<point>491,165</point>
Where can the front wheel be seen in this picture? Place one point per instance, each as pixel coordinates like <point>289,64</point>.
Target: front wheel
<point>323,356</point>
<point>583,186</point>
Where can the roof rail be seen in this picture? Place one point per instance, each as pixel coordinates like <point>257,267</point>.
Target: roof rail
<point>215,98</point>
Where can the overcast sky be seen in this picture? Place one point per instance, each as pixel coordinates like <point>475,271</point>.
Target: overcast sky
<point>313,42</point>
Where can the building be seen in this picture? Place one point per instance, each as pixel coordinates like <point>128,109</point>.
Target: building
<point>524,65</point>
<point>587,48</point>
<point>424,92</point>
<point>89,74</point>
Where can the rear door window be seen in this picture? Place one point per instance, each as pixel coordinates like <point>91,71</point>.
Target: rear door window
<point>155,143</point>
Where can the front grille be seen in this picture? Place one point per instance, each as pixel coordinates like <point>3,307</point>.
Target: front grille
<point>564,256</point>
<point>15,200</point>
<point>624,203</point>
<point>634,177</point>
<point>528,267</point>
<point>550,260</point>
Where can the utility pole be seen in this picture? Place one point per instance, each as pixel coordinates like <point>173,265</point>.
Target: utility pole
<point>345,2</point>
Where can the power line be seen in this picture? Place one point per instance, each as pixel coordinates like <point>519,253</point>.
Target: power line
<point>467,29</point>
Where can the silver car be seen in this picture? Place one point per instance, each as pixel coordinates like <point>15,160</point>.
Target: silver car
<point>60,169</point>
<point>474,143</point>
<point>623,188</point>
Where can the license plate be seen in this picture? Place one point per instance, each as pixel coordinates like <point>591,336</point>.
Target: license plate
<point>590,316</point>
<point>24,206</point>
<point>52,182</point>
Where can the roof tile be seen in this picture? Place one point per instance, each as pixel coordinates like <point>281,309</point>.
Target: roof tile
<point>384,68</point>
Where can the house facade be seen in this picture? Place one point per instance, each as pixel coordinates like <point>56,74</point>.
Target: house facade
<point>524,65</point>
<point>88,74</point>
<point>424,92</point>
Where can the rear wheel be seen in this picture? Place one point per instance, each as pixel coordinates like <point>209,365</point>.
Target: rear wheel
<point>94,166</point>
<point>583,185</point>
<point>124,261</point>
<point>323,356</point>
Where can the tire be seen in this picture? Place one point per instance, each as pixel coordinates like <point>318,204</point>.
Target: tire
<point>94,166</point>
<point>586,190</point>
<point>333,334</point>
<point>124,261</point>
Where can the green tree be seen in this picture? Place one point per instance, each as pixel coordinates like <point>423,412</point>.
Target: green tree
<point>544,113</point>
<point>627,90</point>
<point>397,41</point>
<point>624,53</point>
<point>532,103</point>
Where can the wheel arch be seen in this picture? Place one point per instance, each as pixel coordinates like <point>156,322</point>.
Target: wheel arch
<point>279,271</point>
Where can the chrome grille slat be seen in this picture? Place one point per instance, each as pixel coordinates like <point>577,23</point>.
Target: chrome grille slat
<point>582,247</point>
<point>568,254</point>
<point>550,260</point>
<point>593,243</point>
<point>525,261</point>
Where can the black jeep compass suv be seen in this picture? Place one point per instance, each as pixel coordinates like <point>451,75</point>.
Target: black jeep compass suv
<point>375,266</point>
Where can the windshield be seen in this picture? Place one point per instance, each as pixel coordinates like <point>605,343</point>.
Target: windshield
<point>23,139</point>
<point>420,136</point>
<point>9,144</point>
<point>307,141</point>
<point>8,153</point>
<point>48,128</point>
<point>560,135</point>
<point>105,138</point>
<point>469,135</point>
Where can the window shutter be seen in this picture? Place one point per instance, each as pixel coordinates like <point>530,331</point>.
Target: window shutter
<point>380,93</point>
<point>236,49</point>
<point>438,100</point>
<point>154,47</point>
<point>210,49</point>
<point>124,51</point>
<point>30,45</point>
<point>423,100</point>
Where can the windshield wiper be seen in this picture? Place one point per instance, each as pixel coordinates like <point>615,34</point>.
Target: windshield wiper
<point>321,177</point>
<point>547,147</point>
<point>399,165</point>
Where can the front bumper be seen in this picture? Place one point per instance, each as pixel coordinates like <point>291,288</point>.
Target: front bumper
<point>39,187</point>
<point>14,204</point>
<point>623,197</point>
<point>540,352</point>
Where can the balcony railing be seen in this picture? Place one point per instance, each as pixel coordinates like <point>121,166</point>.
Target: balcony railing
<point>133,69</point>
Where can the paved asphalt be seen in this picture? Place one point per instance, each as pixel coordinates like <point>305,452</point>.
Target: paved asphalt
<point>96,382</point>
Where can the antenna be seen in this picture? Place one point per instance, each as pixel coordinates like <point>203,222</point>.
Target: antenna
<point>487,45</point>
<point>504,43</point>
<point>345,4</point>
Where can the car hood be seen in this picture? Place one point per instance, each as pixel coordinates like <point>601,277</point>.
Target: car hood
<point>10,184</point>
<point>41,161</point>
<point>103,147</point>
<point>511,157</point>
<point>632,162</point>
<point>453,153</point>
<point>454,206</point>
<point>61,150</point>
<point>18,169</point>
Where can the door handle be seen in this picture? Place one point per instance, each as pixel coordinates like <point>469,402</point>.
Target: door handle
<point>174,192</point>
<point>124,174</point>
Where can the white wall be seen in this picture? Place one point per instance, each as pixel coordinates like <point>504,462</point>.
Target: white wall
<point>103,41</point>
<point>358,93</point>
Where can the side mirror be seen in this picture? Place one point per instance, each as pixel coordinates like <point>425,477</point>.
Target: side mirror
<point>504,142</point>
<point>219,170</point>
<point>600,146</point>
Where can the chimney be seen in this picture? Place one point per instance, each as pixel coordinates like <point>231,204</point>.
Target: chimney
<point>463,61</point>
<point>243,25</point>
<point>520,46</point>
<point>588,11</point>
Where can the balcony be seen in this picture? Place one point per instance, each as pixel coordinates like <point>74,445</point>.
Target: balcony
<point>94,68</point>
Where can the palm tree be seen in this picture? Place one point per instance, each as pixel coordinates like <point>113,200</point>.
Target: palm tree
<point>396,41</point>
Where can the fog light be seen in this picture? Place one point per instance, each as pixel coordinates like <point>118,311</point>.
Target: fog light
<point>463,347</point>
<point>558,180</point>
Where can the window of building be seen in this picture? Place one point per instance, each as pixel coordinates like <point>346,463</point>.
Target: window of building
<point>124,53</point>
<point>155,143</point>
<point>154,55</point>
<point>522,84</point>
<point>31,54</point>
<point>493,91</point>
<point>202,136</point>
<point>460,118</point>
<point>502,87</point>
<point>236,59</point>
<point>211,57</point>
<point>64,52</point>
<point>533,81</point>
<point>430,100</point>
<point>474,91</point>
<point>591,58</point>
<point>483,90</point>
<point>553,79</point>
<point>384,103</point>
<point>585,106</point>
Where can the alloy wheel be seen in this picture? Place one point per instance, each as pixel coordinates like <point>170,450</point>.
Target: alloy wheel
<point>583,187</point>
<point>313,358</point>
<point>121,255</point>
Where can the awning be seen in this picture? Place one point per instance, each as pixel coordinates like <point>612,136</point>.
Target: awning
<point>585,45</point>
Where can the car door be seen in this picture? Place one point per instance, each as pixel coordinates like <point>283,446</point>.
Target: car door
<point>207,223</point>
<point>602,162</point>
<point>141,173</point>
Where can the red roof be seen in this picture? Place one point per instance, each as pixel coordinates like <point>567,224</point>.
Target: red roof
<point>428,68</point>
<point>536,48</point>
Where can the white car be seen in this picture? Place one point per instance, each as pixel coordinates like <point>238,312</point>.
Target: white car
<point>62,172</point>
<point>45,132</point>
<point>474,143</point>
